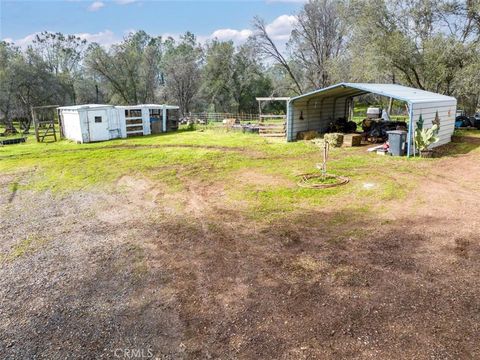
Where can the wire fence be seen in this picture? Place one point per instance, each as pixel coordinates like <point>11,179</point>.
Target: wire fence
<point>219,117</point>
<point>208,117</point>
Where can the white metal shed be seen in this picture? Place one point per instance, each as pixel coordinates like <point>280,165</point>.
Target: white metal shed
<point>315,110</point>
<point>92,122</point>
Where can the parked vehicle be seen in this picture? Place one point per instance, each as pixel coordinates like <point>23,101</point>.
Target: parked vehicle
<point>476,120</point>
<point>462,120</point>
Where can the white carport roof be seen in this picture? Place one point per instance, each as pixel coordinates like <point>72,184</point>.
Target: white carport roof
<point>404,93</point>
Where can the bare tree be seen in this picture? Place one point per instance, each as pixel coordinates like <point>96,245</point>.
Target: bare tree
<point>63,55</point>
<point>318,37</point>
<point>268,49</point>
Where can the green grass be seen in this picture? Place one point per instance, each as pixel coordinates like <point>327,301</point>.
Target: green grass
<point>469,133</point>
<point>205,154</point>
<point>214,157</point>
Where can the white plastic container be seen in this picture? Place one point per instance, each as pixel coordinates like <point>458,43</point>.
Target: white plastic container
<point>374,112</point>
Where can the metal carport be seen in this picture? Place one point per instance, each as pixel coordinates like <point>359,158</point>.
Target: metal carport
<point>317,109</point>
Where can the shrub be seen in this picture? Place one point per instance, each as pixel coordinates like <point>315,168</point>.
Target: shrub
<point>426,137</point>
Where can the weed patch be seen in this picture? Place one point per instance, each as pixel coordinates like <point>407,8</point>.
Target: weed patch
<point>26,246</point>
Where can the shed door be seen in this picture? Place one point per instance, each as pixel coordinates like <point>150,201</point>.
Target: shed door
<point>98,125</point>
<point>172,119</point>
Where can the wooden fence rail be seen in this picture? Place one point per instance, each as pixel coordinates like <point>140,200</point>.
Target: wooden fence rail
<point>272,130</point>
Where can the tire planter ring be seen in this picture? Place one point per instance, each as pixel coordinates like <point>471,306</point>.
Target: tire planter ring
<point>304,181</point>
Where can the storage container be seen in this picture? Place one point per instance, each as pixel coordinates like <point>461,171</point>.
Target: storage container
<point>397,140</point>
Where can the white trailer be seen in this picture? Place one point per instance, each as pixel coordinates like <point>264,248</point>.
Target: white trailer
<point>94,122</point>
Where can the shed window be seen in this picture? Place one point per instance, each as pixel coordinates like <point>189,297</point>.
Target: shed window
<point>156,112</point>
<point>98,119</point>
<point>133,113</point>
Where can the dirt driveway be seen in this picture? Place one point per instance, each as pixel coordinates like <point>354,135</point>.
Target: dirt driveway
<point>143,273</point>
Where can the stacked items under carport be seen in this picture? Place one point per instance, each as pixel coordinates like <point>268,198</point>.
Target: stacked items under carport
<point>316,110</point>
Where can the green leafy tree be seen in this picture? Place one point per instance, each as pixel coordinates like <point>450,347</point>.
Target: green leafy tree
<point>9,57</point>
<point>233,77</point>
<point>248,79</point>
<point>25,81</point>
<point>217,84</point>
<point>426,44</point>
<point>182,70</point>
<point>131,70</point>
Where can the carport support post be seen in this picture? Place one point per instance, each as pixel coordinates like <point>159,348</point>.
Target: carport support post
<point>289,120</point>
<point>410,129</point>
<point>164,119</point>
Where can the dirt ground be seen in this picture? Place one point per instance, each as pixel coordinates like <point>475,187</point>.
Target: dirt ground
<point>143,273</point>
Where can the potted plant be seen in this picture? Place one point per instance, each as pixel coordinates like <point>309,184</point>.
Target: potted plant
<point>426,137</point>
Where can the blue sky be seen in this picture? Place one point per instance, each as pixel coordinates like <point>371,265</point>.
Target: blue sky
<point>107,21</point>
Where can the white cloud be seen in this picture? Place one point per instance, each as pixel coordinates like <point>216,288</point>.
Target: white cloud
<point>237,36</point>
<point>96,5</point>
<point>106,38</point>
<point>280,28</point>
<point>175,36</point>
<point>23,42</point>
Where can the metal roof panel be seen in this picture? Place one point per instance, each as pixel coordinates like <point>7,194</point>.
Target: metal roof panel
<point>400,92</point>
<point>85,106</point>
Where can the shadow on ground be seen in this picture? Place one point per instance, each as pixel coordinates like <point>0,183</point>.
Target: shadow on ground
<point>314,285</point>
<point>460,145</point>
